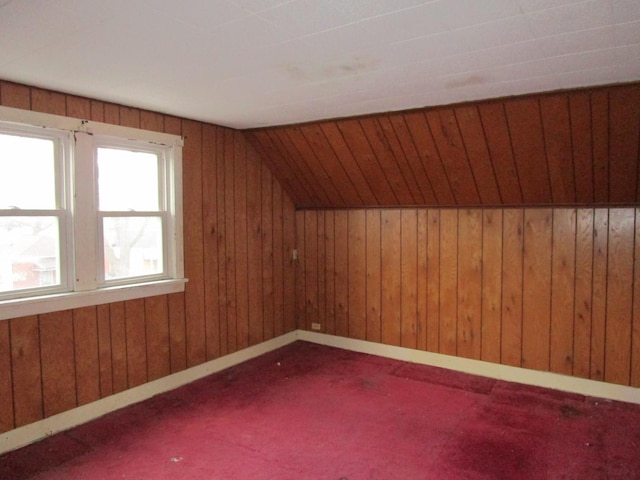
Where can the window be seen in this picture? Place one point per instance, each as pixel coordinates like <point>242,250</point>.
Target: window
<point>89,213</point>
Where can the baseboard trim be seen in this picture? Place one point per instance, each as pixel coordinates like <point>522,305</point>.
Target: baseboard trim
<point>36,431</point>
<point>525,376</point>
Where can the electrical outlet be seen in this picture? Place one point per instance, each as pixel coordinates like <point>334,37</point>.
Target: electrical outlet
<point>315,326</point>
<point>294,254</point>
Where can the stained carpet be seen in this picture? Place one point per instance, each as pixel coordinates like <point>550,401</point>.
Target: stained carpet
<point>312,412</point>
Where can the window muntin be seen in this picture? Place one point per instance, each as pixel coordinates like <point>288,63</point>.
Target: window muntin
<point>72,210</point>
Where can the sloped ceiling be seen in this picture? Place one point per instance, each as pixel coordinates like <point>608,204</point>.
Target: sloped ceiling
<point>251,63</point>
<point>568,148</point>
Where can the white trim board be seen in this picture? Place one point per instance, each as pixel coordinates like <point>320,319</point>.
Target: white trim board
<point>33,432</point>
<point>507,373</point>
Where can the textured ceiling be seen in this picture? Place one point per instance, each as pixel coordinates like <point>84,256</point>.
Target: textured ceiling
<point>250,63</point>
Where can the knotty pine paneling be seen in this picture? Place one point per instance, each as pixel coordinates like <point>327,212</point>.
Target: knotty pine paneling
<point>239,232</point>
<point>551,289</point>
<point>577,147</point>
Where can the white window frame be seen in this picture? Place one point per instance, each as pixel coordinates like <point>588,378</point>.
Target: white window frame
<point>80,245</point>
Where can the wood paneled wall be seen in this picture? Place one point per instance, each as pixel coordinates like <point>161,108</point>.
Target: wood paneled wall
<point>238,236</point>
<point>568,148</point>
<point>551,289</point>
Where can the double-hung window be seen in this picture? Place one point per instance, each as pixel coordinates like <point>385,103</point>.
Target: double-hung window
<point>89,213</point>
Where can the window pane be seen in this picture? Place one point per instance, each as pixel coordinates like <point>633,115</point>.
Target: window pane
<point>29,253</point>
<point>127,180</point>
<point>132,247</point>
<point>27,173</point>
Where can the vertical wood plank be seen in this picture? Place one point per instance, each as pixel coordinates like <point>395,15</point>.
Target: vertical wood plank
<point>104,350</point>
<point>536,292</point>
<point>78,107</point>
<point>448,281</point>
<point>330,275</point>
<point>341,284</point>
<point>136,342</point>
<point>391,276</point>
<point>112,113</point>
<point>97,111</point>
<point>221,238</point>
<point>563,290</point>
<point>322,271</point>
<point>469,334</point>
<point>311,268</point>
<point>151,121</point>
<point>118,346</point>
<point>129,117</point>
<point>230,242</point>
<point>433,280</point>
<point>240,235</point>
<point>26,370</point>
<point>156,313</point>
<point>619,295</point>
<point>86,358</point>
<point>58,366</point>
<point>512,265</point>
<point>374,294</point>
<point>15,96</point>
<point>357,274</point>
<point>278,255</point>
<point>583,292</point>
<point>177,344</point>
<point>193,243</point>
<point>599,298</point>
<point>260,251</point>
<point>300,263</point>
<point>422,279</point>
<point>6,388</point>
<point>289,229</point>
<point>46,101</point>
<point>210,228</point>
<point>409,278</point>
<point>492,249</point>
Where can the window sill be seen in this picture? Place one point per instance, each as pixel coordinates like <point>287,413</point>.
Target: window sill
<point>22,307</point>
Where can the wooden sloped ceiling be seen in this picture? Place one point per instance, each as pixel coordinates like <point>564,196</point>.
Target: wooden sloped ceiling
<point>575,147</point>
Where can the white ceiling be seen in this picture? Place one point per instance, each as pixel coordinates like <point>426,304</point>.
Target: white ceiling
<point>249,63</point>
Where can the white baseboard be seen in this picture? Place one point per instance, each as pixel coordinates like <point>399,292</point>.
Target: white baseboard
<point>33,432</point>
<point>525,376</point>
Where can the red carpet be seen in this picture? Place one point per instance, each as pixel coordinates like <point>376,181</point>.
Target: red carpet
<point>312,412</point>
